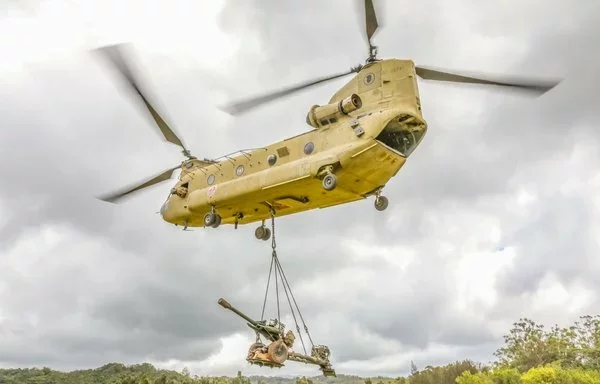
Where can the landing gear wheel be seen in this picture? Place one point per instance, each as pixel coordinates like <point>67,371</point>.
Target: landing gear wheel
<point>329,182</point>
<point>217,221</point>
<point>262,233</point>
<point>211,219</point>
<point>267,234</point>
<point>381,203</point>
<point>278,352</point>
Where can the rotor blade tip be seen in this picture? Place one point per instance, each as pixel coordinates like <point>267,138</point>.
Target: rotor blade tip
<point>228,109</point>
<point>108,199</point>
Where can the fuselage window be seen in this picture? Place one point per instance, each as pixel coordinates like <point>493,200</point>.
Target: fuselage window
<point>239,170</point>
<point>272,159</point>
<point>308,148</point>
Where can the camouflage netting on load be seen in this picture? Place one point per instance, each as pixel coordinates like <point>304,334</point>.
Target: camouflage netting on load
<point>289,338</point>
<point>320,352</point>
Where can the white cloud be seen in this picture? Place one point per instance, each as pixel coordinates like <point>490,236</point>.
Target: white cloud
<point>182,31</point>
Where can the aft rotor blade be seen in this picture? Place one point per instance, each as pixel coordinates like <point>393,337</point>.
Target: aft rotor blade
<point>245,105</point>
<point>115,196</point>
<point>537,86</point>
<point>114,53</point>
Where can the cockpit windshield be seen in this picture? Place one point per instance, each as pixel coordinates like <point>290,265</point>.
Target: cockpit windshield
<point>404,141</point>
<point>403,134</point>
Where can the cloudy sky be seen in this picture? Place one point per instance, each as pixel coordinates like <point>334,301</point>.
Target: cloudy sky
<point>494,217</point>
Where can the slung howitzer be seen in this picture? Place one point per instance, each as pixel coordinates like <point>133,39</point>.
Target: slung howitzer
<point>272,331</point>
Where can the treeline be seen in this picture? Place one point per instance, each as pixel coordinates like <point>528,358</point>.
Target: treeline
<point>530,355</point>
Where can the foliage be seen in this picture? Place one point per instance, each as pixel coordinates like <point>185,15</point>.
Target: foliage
<point>548,374</point>
<point>442,375</point>
<point>530,355</point>
<point>528,345</point>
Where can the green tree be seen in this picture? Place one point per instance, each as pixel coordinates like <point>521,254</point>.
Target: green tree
<point>540,375</point>
<point>528,345</point>
<point>303,380</point>
<point>467,377</point>
<point>444,375</point>
<point>505,376</point>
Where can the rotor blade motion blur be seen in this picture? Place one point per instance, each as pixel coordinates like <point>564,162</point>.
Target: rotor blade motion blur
<point>370,19</point>
<point>114,197</point>
<point>251,103</point>
<point>114,53</point>
<point>537,86</point>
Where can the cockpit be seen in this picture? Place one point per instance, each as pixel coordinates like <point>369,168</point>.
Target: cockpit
<point>403,134</point>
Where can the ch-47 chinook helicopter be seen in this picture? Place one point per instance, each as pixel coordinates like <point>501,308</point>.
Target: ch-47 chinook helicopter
<point>357,141</point>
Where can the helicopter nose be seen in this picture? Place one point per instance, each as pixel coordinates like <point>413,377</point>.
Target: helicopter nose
<point>163,208</point>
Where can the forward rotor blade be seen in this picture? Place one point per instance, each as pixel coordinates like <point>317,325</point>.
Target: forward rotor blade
<point>114,53</point>
<point>247,104</point>
<point>114,197</point>
<point>370,19</point>
<point>536,86</point>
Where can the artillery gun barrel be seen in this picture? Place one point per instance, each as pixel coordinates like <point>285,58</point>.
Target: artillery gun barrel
<point>271,333</point>
<point>225,304</point>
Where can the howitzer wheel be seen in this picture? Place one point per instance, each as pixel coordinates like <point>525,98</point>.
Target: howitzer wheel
<point>278,352</point>
<point>254,347</point>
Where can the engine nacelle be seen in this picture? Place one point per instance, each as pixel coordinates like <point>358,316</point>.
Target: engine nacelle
<point>319,116</point>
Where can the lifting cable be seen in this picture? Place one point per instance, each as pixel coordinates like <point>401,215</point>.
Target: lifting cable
<point>286,287</point>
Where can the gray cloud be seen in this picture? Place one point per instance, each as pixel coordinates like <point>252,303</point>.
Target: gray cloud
<point>78,275</point>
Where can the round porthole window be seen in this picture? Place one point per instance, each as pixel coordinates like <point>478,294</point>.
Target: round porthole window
<point>309,148</point>
<point>211,179</point>
<point>239,170</point>
<point>272,159</point>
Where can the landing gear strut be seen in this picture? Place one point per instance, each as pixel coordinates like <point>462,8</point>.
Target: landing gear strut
<point>381,202</point>
<point>329,179</point>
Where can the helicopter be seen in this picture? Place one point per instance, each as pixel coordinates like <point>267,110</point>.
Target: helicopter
<point>355,144</point>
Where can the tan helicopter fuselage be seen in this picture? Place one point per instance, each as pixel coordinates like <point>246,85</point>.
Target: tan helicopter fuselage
<point>363,147</point>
